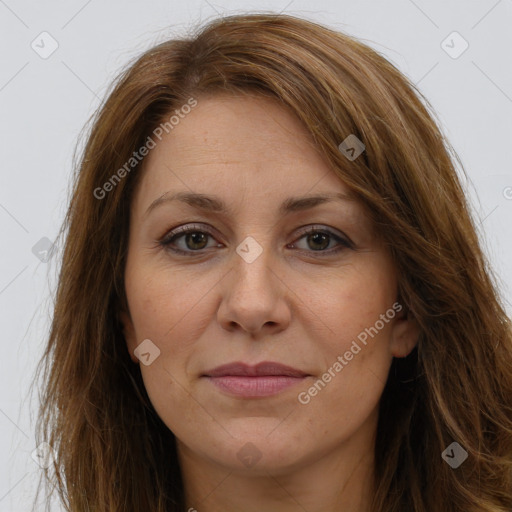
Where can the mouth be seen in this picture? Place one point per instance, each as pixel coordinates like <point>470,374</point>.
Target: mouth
<point>263,379</point>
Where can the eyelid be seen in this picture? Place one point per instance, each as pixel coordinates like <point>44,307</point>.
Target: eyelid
<point>186,228</point>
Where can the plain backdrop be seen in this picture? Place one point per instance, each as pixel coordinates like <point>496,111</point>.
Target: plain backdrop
<point>45,101</point>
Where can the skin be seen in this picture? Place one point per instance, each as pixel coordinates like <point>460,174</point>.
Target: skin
<point>292,304</point>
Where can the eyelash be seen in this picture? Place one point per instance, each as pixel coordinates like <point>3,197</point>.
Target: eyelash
<point>181,231</point>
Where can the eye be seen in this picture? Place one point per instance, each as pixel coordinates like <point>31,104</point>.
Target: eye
<point>193,238</point>
<point>320,239</point>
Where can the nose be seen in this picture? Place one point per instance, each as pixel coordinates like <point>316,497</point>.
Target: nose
<point>254,297</point>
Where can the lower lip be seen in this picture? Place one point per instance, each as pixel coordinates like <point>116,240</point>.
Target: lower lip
<point>265,385</point>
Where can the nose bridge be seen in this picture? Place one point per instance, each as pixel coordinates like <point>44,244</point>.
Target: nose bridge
<point>252,263</point>
<point>252,296</point>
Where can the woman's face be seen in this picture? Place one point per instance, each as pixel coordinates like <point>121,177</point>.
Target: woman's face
<point>251,285</point>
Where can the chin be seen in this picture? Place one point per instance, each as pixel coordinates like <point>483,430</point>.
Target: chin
<point>263,451</point>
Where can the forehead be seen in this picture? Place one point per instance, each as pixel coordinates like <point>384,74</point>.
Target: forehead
<point>238,147</point>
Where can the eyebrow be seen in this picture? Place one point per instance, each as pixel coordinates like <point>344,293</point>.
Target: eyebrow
<point>215,204</point>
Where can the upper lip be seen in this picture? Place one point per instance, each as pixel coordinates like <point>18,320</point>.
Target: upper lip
<point>261,369</point>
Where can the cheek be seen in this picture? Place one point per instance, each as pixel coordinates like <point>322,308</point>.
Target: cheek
<point>355,345</point>
<point>172,313</point>
<point>168,307</point>
<point>344,396</point>
<point>171,309</point>
<point>348,305</point>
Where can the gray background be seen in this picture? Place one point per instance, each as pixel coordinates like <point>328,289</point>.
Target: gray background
<point>45,102</point>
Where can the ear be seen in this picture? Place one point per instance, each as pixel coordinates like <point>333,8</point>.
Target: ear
<point>405,333</point>
<point>129,333</point>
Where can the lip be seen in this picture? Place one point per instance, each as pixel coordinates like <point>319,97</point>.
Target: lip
<point>264,379</point>
<point>265,368</point>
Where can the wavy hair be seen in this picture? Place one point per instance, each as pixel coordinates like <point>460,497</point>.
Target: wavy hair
<point>112,451</point>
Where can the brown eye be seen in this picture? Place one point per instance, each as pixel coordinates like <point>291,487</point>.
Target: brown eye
<point>187,240</point>
<point>192,239</point>
<point>196,240</point>
<point>318,241</point>
<point>322,241</point>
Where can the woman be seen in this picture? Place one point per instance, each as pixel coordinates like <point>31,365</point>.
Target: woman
<point>272,294</point>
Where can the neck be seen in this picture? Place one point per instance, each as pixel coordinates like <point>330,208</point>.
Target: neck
<point>339,480</point>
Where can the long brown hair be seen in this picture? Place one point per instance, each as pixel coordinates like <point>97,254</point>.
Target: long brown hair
<point>112,451</point>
